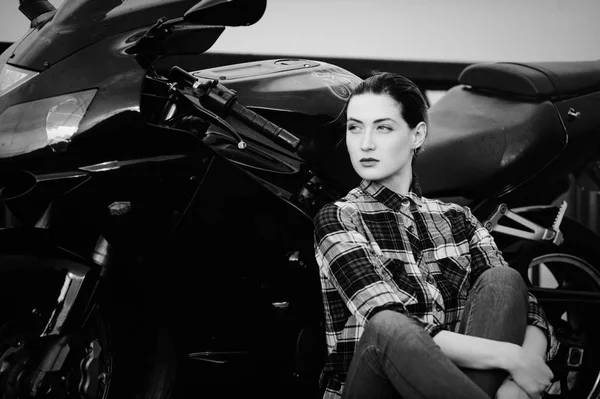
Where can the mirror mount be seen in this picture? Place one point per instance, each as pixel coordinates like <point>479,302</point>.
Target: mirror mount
<point>37,11</point>
<point>226,12</point>
<point>173,37</point>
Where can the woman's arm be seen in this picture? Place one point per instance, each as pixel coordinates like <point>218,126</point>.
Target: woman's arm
<point>348,261</point>
<point>481,353</point>
<point>535,341</point>
<point>474,352</point>
<point>484,255</point>
<point>524,364</point>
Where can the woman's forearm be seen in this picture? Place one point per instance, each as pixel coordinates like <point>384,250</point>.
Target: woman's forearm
<point>475,352</point>
<point>484,354</point>
<point>535,341</point>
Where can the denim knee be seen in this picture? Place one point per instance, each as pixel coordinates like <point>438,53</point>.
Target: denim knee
<point>387,324</point>
<point>503,278</point>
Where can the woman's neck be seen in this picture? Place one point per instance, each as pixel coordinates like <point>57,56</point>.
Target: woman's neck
<point>399,183</point>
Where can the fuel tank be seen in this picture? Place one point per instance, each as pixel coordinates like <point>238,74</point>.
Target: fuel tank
<point>303,96</point>
<point>288,84</point>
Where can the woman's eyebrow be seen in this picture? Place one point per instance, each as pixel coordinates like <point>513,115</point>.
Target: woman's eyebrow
<point>383,120</point>
<point>380,120</point>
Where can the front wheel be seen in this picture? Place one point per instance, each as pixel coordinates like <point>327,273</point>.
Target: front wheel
<point>88,362</point>
<point>556,275</point>
<point>102,359</point>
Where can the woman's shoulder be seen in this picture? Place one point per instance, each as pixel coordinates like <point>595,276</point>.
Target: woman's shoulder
<point>337,207</point>
<point>447,207</point>
<point>346,206</point>
<point>458,216</point>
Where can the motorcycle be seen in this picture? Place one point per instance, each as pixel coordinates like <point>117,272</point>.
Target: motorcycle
<point>512,138</point>
<point>161,241</point>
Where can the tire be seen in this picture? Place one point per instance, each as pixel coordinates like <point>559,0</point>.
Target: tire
<point>88,367</point>
<point>574,322</point>
<point>107,358</point>
<point>157,370</point>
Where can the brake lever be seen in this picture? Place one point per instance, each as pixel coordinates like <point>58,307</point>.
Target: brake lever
<point>220,99</point>
<point>195,102</point>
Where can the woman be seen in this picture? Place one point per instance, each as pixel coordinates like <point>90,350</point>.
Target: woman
<point>419,302</point>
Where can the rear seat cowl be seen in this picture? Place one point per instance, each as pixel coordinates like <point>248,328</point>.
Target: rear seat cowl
<point>536,81</point>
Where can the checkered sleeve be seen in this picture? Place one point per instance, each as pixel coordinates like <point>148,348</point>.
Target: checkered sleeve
<point>485,254</point>
<point>347,259</point>
<point>537,317</point>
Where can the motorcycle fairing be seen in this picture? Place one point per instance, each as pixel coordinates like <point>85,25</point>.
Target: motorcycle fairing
<point>64,78</point>
<point>581,119</point>
<point>78,24</point>
<point>534,80</point>
<point>486,144</point>
<point>227,12</point>
<point>233,250</point>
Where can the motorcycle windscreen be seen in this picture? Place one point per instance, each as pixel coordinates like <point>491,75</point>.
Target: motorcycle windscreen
<point>79,23</point>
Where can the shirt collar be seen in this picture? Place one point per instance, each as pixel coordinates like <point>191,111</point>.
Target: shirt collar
<point>388,197</point>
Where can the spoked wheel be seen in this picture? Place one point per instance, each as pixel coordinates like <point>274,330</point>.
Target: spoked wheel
<point>556,279</point>
<point>88,361</point>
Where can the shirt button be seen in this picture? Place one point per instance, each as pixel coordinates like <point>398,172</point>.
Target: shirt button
<point>429,279</point>
<point>405,202</point>
<point>411,228</point>
<point>438,307</point>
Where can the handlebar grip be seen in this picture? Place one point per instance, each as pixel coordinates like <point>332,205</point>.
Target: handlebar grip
<point>225,100</point>
<point>264,126</point>
<point>182,76</point>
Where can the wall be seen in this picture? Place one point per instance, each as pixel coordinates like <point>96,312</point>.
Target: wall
<point>448,30</point>
<point>432,30</point>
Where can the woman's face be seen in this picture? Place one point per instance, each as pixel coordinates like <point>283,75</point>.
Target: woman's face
<point>379,140</point>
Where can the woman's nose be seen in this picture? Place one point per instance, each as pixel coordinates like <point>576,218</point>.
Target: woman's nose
<point>367,142</point>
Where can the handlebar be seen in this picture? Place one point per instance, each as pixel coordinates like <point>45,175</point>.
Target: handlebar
<point>264,126</point>
<point>221,100</point>
<point>183,77</point>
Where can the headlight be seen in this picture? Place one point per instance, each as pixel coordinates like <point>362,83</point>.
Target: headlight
<point>30,126</point>
<point>12,77</point>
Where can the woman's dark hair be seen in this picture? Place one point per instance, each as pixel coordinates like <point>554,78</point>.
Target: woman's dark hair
<point>404,91</point>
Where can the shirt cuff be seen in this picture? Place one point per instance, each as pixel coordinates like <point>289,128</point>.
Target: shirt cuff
<point>553,344</point>
<point>434,329</point>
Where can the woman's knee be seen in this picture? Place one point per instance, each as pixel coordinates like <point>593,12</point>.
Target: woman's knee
<point>395,334</point>
<point>388,323</point>
<point>503,279</point>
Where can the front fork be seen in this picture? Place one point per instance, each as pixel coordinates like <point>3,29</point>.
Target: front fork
<point>74,305</point>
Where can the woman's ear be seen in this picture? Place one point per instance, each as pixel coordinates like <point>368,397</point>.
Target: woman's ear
<point>419,134</point>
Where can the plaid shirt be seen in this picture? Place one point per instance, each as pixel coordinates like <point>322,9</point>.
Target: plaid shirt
<point>380,250</point>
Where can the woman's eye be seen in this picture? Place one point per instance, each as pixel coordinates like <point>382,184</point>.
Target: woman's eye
<point>352,128</point>
<point>384,128</point>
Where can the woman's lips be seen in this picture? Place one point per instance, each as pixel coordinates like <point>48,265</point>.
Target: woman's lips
<point>368,161</point>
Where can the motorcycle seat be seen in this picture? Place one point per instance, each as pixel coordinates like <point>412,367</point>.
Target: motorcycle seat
<point>534,80</point>
<point>479,144</point>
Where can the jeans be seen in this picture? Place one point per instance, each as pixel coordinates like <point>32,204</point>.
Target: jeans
<point>397,358</point>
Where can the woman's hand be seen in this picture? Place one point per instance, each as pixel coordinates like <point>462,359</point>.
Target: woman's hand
<point>530,372</point>
<point>510,390</point>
